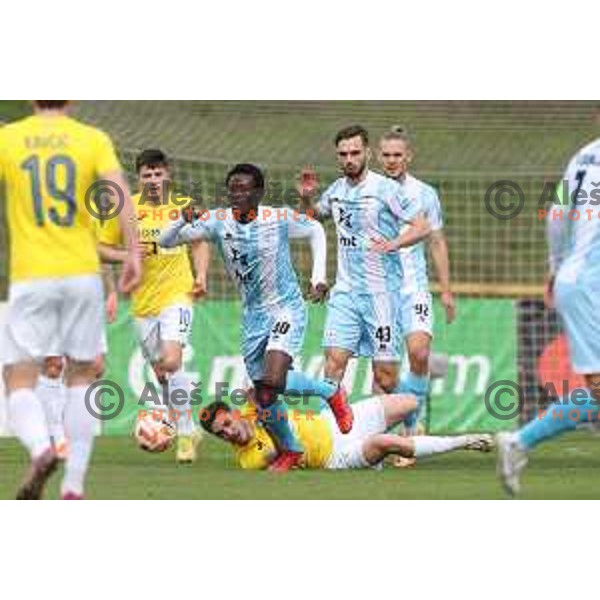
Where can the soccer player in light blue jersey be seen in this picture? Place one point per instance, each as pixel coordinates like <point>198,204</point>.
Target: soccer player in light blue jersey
<point>253,242</point>
<point>573,286</point>
<point>395,156</point>
<point>373,219</point>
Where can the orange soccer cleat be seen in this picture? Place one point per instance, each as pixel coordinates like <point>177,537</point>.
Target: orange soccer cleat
<point>341,409</point>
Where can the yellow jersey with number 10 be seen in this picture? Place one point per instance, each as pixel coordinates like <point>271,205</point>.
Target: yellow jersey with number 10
<point>48,164</point>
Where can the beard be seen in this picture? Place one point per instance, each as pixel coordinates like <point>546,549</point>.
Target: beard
<point>356,173</point>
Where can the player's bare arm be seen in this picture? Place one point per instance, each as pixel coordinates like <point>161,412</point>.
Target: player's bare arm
<point>110,291</point>
<point>549,291</point>
<point>131,275</point>
<point>438,247</point>
<point>419,230</point>
<point>201,259</point>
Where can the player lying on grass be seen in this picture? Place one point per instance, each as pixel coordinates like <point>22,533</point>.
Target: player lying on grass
<point>367,445</point>
<point>253,241</point>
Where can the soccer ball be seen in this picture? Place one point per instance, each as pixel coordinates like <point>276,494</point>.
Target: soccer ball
<point>154,435</point>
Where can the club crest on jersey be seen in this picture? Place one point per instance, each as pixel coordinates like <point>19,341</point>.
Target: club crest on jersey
<point>344,218</point>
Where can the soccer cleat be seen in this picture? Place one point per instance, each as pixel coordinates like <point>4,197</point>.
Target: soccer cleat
<point>511,462</point>
<point>61,448</point>
<point>480,442</point>
<point>341,409</point>
<point>403,462</point>
<point>72,496</point>
<point>286,461</point>
<point>40,471</point>
<point>186,447</point>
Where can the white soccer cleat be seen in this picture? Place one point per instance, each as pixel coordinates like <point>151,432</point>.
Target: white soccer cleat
<point>511,462</point>
<point>480,442</point>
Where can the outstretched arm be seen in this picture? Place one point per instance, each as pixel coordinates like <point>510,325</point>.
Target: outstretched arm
<point>184,232</point>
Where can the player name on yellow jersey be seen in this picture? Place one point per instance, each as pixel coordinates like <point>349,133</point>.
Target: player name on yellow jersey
<point>167,278</point>
<point>48,165</point>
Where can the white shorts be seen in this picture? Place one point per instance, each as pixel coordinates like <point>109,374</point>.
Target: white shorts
<point>416,313</point>
<point>174,324</point>
<point>369,419</point>
<point>54,317</point>
<point>103,346</point>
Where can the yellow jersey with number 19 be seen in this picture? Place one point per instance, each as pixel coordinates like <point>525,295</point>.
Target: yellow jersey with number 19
<point>48,164</point>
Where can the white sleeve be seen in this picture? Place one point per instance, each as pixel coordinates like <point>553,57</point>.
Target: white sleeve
<point>434,211</point>
<point>324,203</point>
<point>301,227</point>
<point>180,233</point>
<point>404,208</point>
<point>554,234</point>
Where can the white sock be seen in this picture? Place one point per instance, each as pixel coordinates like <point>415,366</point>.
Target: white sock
<point>429,444</point>
<point>28,421</point>
<point>52,395</point>
<point>80,427</point>
<point>181,381</point>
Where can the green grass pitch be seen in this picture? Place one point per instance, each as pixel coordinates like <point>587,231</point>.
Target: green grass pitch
<point>565,469</point>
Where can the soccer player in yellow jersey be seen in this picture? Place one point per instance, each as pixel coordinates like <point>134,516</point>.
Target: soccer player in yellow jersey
<point>50,165</point>
<point>162,304</point>
<point>325,447</point>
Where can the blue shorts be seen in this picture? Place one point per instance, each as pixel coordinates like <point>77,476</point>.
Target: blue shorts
<point>578,304</point>
<point>279,329</point>
<point>365,324</point>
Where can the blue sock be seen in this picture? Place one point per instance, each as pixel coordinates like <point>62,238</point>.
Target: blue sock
<point>275,420</point>
<point>301,383</point>
<point>563,416</point>
<point>417,385</point>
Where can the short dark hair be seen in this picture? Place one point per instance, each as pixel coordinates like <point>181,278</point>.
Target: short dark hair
<point>50,104</point>
<point>152,157</point>
<point>209,414</point>
<point>247,169</point>
<point>352,131</point>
